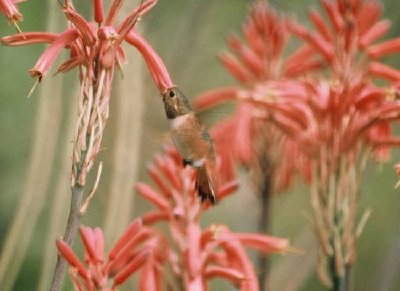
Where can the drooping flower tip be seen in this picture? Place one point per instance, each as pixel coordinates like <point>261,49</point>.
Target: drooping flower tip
<point>28,38</point>
<point>10,11</point>
<point>49,56</point>
<point>155,64</point>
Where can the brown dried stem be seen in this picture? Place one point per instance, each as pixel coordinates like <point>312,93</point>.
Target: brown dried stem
<point>93,112</point>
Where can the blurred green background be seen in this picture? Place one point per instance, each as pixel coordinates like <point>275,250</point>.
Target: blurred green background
<point>36,136</point>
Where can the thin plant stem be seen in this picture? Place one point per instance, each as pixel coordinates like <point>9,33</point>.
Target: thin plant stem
<point>71,228</point>
<point>92,117</point>
<point>264,226</point>
<point>340,282</point>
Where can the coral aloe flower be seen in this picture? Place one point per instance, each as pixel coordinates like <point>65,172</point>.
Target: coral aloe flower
<point>137,246</point>
<point>94,50</point>
<point>195,255</point>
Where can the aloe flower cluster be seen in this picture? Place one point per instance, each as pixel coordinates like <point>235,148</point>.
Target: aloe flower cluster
<point>247,137</point>
<point>326,101</point>
<point>94,49</point>
<point>258,59</point>
<point>137,247</point>
<point>197,255</point>
<point>194,255</point>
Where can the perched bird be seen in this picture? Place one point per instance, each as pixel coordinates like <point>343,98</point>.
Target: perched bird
<point>192,141</point>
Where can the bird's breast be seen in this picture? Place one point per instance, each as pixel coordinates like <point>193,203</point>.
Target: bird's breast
<point>187,135</point>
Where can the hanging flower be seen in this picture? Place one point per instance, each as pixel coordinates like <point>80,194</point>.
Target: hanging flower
<point>10,10</point>
<point>94,50</point>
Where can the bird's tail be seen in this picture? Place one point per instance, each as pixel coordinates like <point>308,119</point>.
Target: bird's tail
<point>205,184</point>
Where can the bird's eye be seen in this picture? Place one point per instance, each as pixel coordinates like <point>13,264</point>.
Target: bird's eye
<point>171,94</point>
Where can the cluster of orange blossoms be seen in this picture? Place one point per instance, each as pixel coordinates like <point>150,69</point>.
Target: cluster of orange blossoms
<point>320,107</point>
<point>195,256</point>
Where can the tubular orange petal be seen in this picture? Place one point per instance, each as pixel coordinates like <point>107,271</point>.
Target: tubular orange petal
<point>49,56</point>
<point>154,197</point>
<point>156,66</point>
<point>247,56</point>
<point>130,20</point>
<point>155,175</point>
<point>126,250</point>
<point>88,35</point>
<point>147,277</point>
<point>300,55</point>
<point>131,267</point>
<point>132,230</point>
<point>152,217</point>
<point>320,25</point>
<point>170,171</point>
<point>69,65</point>
<point>113,12</point>
<point>228,273</point>
<point>368,15</point>
<point>71,258</point>
<point>193,263</point>
<point>302,68</point>
<point>88,240</point>
<point>388,47</point>
<point>315,40</point>
<point>10,10</point>
<point>26,38</point>
<point>235,68</point>
<point>334,14</point>
<point>98,10</point>
<point>263,243</point>
<point>383,71</point>
<point>378,30</point>
<point>99,243</point>
<point>214,97</point>
<point>227,189</point>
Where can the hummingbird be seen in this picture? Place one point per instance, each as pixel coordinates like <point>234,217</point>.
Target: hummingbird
<point>192,141</point>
